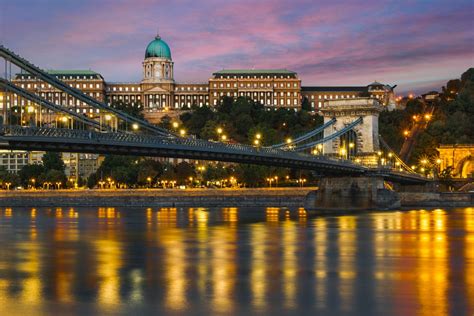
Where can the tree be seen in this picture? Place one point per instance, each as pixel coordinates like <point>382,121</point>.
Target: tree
<point>29,172</point>
<point>148,168</point>
<point>184,171</point>
<point>8,180</point>
<point>53,160</point>
<point>305,104</point>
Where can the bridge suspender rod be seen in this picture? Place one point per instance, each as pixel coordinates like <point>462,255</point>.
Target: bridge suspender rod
<point>78,94</point>
<point>51,106</point>
<point>332,136</point>
<point>402,163</point>
<point>307,135</point>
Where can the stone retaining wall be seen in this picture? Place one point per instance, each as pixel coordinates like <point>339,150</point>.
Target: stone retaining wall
<point>435,199</point>
<point>278,197</point>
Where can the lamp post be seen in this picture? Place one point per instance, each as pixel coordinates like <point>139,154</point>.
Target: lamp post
<point>149,181</point>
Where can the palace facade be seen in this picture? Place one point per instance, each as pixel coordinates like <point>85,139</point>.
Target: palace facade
<point>158,94</point>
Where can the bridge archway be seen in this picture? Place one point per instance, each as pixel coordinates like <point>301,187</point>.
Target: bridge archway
<point>465,167</point>
<point>458,156</point>
<point>364,136</point>
<point>348,142</point>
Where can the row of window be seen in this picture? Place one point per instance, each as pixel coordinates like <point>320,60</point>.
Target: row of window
<point>255,85</point>
<point>64,77</point>
<point>124,88</point>
<point>48,86</point>
<point>330,97</point>
<point>178,88</point>
<point>256,77</point>
<point>256,94</point>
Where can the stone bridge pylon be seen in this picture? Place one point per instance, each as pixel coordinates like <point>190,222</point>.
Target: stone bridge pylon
<point>363,139</point>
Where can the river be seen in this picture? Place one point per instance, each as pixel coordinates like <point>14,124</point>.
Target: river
<point>245,261</point>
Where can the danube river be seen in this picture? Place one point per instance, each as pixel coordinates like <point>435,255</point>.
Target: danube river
<point>107,261</point>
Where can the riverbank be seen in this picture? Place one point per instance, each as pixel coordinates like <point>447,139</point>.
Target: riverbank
<point>275,197</point>
<point>436,199</point>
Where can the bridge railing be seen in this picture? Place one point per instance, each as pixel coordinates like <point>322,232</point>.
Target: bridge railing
<point>160,140</point>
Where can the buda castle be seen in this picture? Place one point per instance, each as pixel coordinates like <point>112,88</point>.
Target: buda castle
<point>158,94</point>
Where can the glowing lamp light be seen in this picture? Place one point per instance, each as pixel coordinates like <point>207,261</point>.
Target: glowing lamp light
<point>258,136</point>
<point>108,117</point>
<point>182,132</point>
<point>219,130</point>
<point>175,124</point>
<point>135,126</point>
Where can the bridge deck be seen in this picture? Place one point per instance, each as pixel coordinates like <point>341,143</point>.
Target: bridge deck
<point>67,140</point>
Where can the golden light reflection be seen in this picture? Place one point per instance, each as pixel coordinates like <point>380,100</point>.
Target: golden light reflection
<point>272,214</point>
<point>347,252</point>
<point>320,261</point>
<point>302,215</point>
<point>109,262</point>
<point>469,250</point>
<point>258,267</point>
<point>224,268</point>
<point>8,212</point>
<point>108,213</point>
<point>432,268</point>
<point>175,273</point>
<point>167,217</point>
<point>230,215</point>
<point>290,263</point>
<point>29,265</point>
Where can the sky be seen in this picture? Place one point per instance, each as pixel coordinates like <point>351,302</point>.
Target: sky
<point>417,45</point>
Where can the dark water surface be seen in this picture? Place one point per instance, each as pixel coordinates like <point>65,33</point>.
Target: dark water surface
<point>265,261</point>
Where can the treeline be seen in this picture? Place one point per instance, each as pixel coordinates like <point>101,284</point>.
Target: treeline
<point>241,119</point>
<point>50,174</point>
<point>451,123</point>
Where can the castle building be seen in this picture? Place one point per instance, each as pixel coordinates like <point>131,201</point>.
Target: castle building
<point>157,94</point>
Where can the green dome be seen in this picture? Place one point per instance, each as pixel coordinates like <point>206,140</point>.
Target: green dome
<point>158,48</point>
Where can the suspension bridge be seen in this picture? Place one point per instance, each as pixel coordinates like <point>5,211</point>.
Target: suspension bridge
<point>345,145</point>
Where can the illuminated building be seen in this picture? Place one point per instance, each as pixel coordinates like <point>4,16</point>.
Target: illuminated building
<point>157,94</point>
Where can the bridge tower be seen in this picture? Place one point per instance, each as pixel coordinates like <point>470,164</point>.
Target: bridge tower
<point>364,139</point>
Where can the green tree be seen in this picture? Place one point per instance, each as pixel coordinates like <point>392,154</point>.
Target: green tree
<point>184,170</point>
<point>305,104</point>
<point>148,168</point>
<point>53,160</point>
<point>29,172</point>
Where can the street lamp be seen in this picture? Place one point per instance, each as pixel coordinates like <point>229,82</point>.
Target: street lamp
<point>224,138</point>
<point>219,130</point>
<point>175,124</point>
<point>182,132</point>
<point>135,126</point>
<point>149,181</point>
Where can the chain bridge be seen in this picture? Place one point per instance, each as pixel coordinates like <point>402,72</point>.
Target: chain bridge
<point>346,145</point>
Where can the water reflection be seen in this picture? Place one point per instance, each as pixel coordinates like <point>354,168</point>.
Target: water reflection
<point>232,260</point>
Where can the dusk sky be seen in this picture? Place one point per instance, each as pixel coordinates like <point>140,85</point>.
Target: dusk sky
<point>418,45</point>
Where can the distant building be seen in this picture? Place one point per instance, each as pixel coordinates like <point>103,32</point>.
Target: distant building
<point>13,160</point>
<point>316,95</point>
<point>157,94</point>
<point>274,88</point>
<point>80,165</point>
<point>458,156</point>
